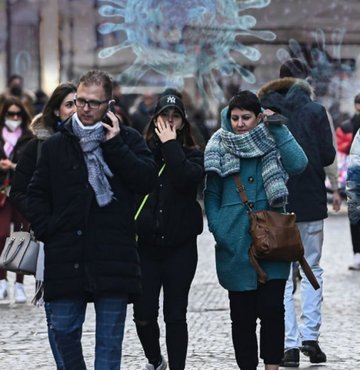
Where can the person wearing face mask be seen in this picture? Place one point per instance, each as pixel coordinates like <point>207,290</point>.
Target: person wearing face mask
<point>58,108</point>
<point>14,135</point>
<point>257,146</point>
<point>167,229</point>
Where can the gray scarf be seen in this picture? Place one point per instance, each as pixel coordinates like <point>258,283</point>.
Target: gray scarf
<point>225,149</point>
<point>98,170</point>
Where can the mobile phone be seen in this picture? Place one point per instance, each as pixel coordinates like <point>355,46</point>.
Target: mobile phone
<point>277,119</point>
<point>111,108</point>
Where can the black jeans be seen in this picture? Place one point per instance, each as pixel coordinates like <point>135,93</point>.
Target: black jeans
<point>267,304</point>
<point>355,237</point>
<point>173,269</point>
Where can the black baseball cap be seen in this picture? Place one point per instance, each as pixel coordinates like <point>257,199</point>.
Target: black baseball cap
<point>170,101</point>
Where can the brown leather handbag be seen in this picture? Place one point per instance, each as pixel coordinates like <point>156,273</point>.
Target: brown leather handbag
<point>275,237</point>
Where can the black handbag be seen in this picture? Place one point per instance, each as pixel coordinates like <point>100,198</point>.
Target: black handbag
<point>20,253</point>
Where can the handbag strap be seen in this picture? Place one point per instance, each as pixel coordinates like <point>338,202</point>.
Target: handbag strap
<point>241,190</point>
<point>147,195</point>
<point>262,277</point>
<point>309,273</point>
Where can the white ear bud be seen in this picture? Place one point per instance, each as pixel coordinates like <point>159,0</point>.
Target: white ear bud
<point>57,113</point>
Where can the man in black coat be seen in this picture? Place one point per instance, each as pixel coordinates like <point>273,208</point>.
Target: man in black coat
<point>81,205</point>
<point>292,96</point>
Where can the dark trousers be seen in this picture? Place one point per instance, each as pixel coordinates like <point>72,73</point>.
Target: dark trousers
<point>67,317</point>
<point>267,304</point>
<point>172,269</point>
<point>355,237</point>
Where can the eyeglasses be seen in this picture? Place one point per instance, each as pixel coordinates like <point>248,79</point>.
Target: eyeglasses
<point>92,104</point>
<point>13,114</point>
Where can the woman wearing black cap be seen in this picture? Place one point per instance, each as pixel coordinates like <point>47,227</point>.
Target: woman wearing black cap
<point>168,226</point>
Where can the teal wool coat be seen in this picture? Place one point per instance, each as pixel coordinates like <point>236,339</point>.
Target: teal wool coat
<point>229,222</point>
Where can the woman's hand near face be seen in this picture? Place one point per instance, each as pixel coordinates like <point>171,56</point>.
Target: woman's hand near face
<point>164,130</point>
<point>272,118</point>
<point>266,113</point>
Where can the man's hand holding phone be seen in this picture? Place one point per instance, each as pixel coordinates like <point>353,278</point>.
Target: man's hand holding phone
<point>111,122</point>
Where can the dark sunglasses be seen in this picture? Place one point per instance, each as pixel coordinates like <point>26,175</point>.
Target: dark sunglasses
<point>13,114</point>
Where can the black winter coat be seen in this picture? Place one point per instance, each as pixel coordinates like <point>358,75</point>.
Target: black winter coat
<point>309,124</point>
<point>17,152</point>
<point>172,216</point>
<point>89,249</point>
<point>26,166</point>
<point>22,176</point>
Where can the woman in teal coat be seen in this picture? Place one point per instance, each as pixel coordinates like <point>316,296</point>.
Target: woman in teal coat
<point>264,152</point>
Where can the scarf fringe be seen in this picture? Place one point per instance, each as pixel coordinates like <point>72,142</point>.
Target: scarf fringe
<point>38,299</point>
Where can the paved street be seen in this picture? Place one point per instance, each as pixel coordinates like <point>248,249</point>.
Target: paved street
<point>24,345</point>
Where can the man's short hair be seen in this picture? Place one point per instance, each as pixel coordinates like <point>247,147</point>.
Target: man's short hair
<point>294,67</point>
<point>99,78</point>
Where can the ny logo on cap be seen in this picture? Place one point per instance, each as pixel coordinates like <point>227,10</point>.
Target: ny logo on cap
<point>171,100</point>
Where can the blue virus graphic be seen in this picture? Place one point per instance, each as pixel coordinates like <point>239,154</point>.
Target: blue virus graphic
<point>184,39</point>
<point>325,69</point>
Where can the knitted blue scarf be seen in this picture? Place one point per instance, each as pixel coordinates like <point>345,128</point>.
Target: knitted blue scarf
<point>225,150</point>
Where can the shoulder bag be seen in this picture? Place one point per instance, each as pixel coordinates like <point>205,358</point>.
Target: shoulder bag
<point>21,249</point>
<point>275,237</point>
<point>20,253</point>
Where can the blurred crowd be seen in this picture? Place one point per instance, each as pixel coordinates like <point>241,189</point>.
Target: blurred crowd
<point>171,129</point>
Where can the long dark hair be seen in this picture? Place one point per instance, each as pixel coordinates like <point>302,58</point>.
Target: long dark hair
<point>184,136</point>
<point>25,116</point>
<point>48,116</point>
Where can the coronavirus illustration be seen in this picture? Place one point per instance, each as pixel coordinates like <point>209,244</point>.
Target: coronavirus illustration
<point>324,61</point>
<point>184,39</point>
